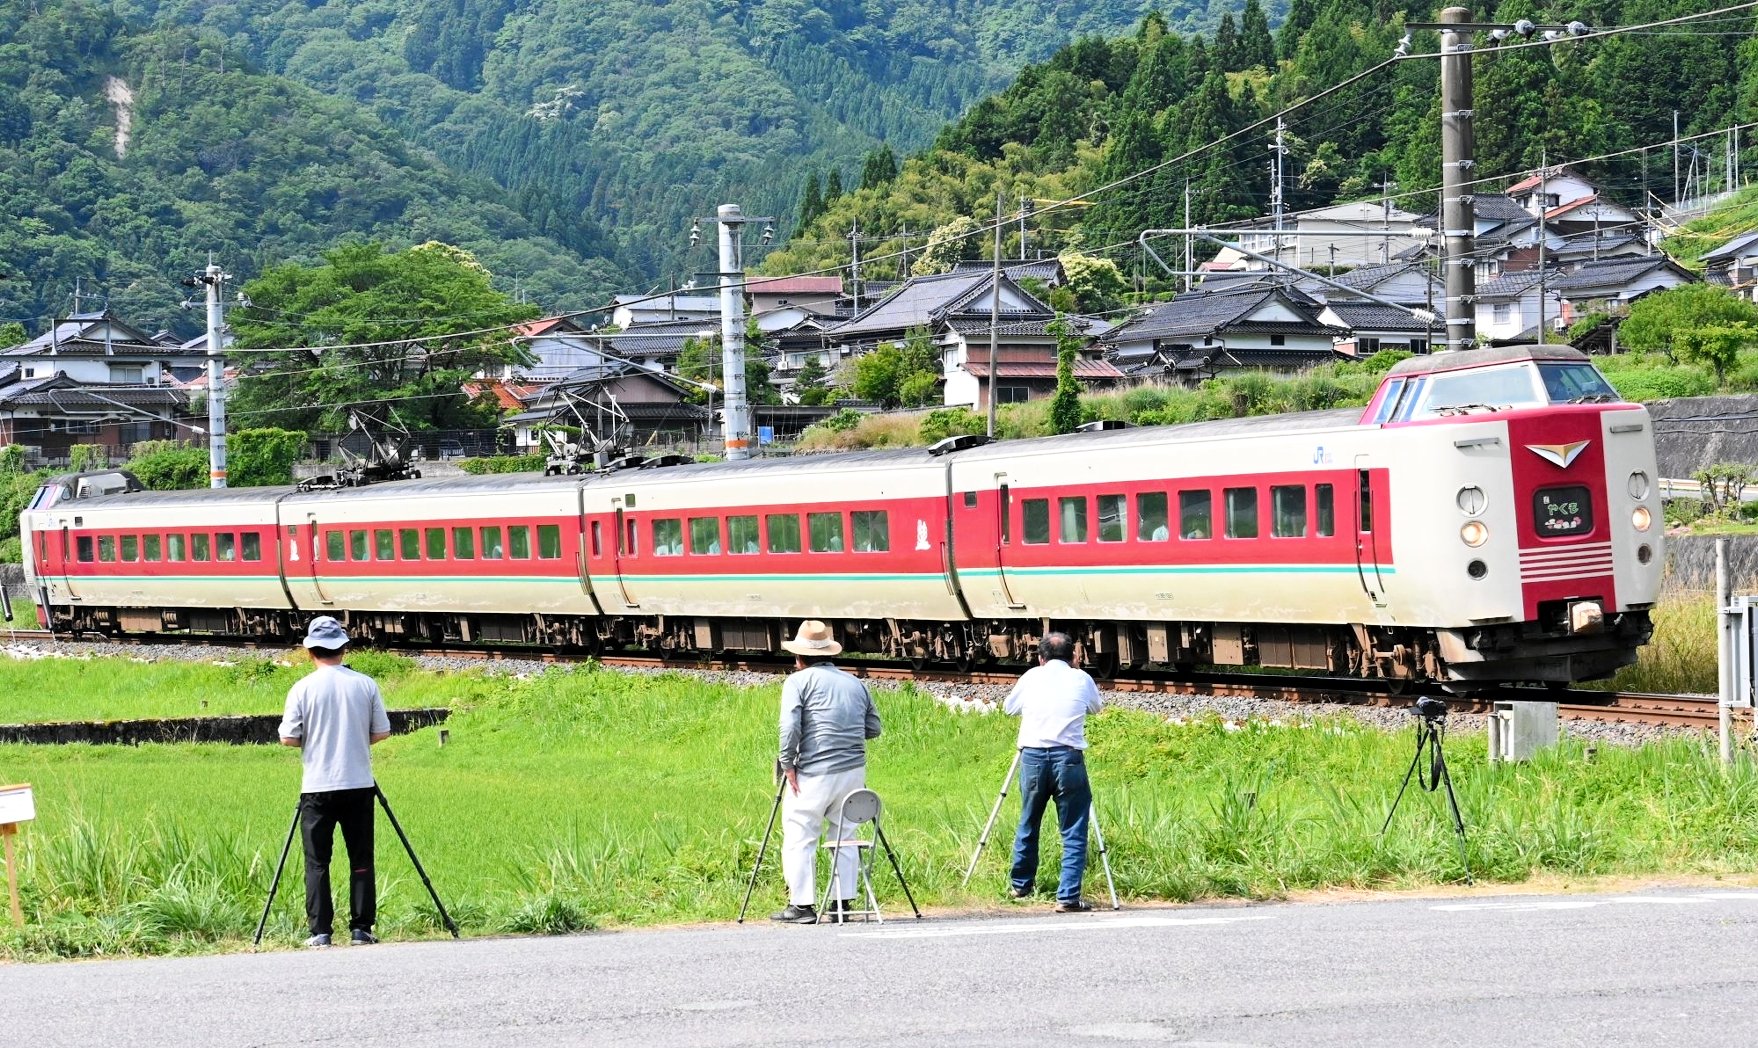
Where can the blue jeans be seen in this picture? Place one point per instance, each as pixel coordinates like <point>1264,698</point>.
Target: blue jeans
<point>1057,773</point>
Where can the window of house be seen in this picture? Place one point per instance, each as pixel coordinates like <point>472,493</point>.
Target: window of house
<point>1113,517</point>
<point>1013,394</point>
<point>872,531</point>
<point>491,544</point>
<point>106,547</point>
<point>384,544</point>
<point>1034,521</point>
<point>705,535</point>
<point>1241,513</point>
<point>1195,514</point>
<point>1150,517</point>
<point>1367,347</point>
<point>1288,509</point>
<point>1278,340</point>
<point>1072,519</point>
<point>198,547</point>
<point>1419,345</point>
<point>519,542</point>
<point>1503,312</point>
<point>151,547</point>
<point>336,545</point>
<point>784,532</point>
<point>668,538</point>
<point>1324,508</point>
<point>251,544</point>
<point>174,547</point>
<point>549,542</point>
<point>464,543</point>
<point>436,543</point>
<point>84,548</point>
<point>126,374</point>
<point>825,530</point>
<point>410,541</point>
<point>130,548</point>
<point>742,536</point>
<point>225,546</point>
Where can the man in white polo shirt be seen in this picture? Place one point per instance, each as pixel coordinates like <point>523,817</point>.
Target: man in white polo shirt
<point>1052,700</point>
<point>335,716</point>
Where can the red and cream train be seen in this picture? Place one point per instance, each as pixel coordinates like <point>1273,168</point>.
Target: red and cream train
<point>1491,516</point>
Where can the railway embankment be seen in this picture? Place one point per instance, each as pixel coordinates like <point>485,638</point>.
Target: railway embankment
<point>243,730</point>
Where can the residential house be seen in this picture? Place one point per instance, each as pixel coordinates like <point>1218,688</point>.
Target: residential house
<point>670,307</point>
<point>558,347</point>
<point>1199,335</point>
<point>1734,265</point>
<point>1410,283</point>
<point>1048,272</point>
<point>1025,361</point>
<point>53,413</point>
<point>629,405</point>
<point>98,348</point>
<point>1507,308</point>
<point>818,294</point>
<point>1365,328</point>
<point>1610,285</point>
<point>1362,233</point>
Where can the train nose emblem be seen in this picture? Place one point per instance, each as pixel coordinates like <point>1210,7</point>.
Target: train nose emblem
<point>1560,454</point>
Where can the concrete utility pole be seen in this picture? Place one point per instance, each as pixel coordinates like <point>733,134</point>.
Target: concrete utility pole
<point>1543,233</point>
<point>854,263</point>
<point>995,310</point>
<point>1276,208</point>
<point>215,279</point>
<point>737,410</point>
<point>1025,209</point>
<point>1458,158</point>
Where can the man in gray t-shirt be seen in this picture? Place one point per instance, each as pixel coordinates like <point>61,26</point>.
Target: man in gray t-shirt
<point>335,716</point>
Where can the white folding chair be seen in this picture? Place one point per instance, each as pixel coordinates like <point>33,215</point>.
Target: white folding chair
<point>856,809</point>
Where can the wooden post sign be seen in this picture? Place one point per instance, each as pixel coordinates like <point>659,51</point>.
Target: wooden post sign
<point>16,806</point>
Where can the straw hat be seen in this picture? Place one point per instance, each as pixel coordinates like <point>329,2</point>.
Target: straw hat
<point>813,639</point>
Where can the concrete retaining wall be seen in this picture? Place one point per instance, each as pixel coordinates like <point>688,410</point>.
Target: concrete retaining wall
<point>1693,432</point>
<point>239,731</point>
<point>1690,562</point>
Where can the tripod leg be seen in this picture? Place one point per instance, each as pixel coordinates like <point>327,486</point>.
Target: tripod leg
<point>1414,761</point>
<point>761,848</point>
<point>1458,820</point>
<point>879,832</point>
<point>994,812</point>
<point>446,918</point>
<point>275,885</point>
<point>1104,859</point>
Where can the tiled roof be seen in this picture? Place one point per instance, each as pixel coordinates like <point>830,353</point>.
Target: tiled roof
<point>1084,368</point>
<point>547,326</point>
<point>1010,324</point>
<point>917,301</point>
<point>1047,270</point>
<point>1371,316</point>
<point>66,394</point>
<point>1205,313</point>
<point>82,334</point>
<point>1744,244</point>
<point>681,303</point>
<point>1611,273</point>
<point>1585,247</point>
<point>1510,285</point>
<point>1367,276</point>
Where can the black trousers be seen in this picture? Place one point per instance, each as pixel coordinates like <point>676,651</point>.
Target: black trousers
<point>320,814</point>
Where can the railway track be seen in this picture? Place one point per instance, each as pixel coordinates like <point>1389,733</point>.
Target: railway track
<point>1687,711</point>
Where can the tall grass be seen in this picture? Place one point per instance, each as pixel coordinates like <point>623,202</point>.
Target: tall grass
<point>586,798</point>
<point>1681,658</point>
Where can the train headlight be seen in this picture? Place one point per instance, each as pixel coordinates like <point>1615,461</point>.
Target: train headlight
<point>1474,534</point>
<point>1641,518</point>
<point>1472,500</point>
<point>1638,485</point>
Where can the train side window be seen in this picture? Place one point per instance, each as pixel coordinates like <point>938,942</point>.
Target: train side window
<point>410,540</point>
<point>826,532</point>
<point>741,535</point>
<point>1324,508</point>
<point>174,547</point>
<point>198,547</point>
<point>150,548</point>
<point>1288,509</point>
<point>250,544</point>
<point>130,547</point>
<point>629,547</point>
<point>1150,517</point>
<point>1241,513</point>
<point>705,535</point>
<point>436,543</point>
<point>225,546</point>
<point>336,545</point>
<point>668,537</point>
<point>359,545</point>
<point>384,542</point>
<point>491,544</point>
<point>597,537</point>
<point>106,547</point>
<point>1196,514</point>
<point>1366,514</point>
<point>1113,517</point>
<point>549,541</point>
<point>784,532</point>
<point>1389,403</point>
<point>872,531</point>
<point>463,544</point>
<point>1073,520</point>
<point>1034,521</point>
<point>519,542</point>
<point>84,544</point>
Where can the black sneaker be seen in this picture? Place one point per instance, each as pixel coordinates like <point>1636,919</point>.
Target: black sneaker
<point>840,910</point>
<point>796,915</point>
<point>362,937</point>
<point>1020,893</point>
<point>317,942</point>
<point>1073,906</point>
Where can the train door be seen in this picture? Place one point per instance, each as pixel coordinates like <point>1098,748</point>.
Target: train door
<point>1004,537</point>
<point>314,547</point>
<point>622,546</point>
<point>1369,526</point>
<point>591,549</point>
<point>66,557</point>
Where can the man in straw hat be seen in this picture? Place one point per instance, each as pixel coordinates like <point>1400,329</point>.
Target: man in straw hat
<point>335,715</point>
<point>826,717</point>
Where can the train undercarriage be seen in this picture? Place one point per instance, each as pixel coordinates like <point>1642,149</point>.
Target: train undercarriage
<point>1531,652</point>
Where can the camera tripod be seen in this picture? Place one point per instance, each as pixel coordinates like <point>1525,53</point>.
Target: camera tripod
<point>995,812</point>
<point>293,830</point>
<point>1431,732</point>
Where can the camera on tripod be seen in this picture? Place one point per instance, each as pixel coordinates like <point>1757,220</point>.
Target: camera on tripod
<point>1431,708</point>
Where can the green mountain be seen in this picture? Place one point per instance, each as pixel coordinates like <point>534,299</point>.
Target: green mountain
<point>126,156</point>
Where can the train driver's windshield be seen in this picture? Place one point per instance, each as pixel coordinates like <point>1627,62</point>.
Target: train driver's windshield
<point>1526,384</point>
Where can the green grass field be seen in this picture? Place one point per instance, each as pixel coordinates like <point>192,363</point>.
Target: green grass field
<point>591,798</point>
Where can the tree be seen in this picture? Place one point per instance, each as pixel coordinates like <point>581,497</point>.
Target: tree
<point>262,457</point>
<point>899,375</point>
<point>833,187</point>
<point>810,385</point>
<point>1065,405</point>
<point>1256,46</point>
<point>879,168</point>
<point>811,202</point>
<point>1719,347</point>
<point>1227,53</point>
<point>12,333</point>
<point>1656,320</point>
<point>947,245</point>
<point>1098,285</point>
<point>396,332</point>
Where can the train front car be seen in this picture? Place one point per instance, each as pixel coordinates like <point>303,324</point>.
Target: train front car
<point>1544,557</point>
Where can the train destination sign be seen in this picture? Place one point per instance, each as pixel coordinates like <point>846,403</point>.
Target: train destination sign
<point>1566,510</point>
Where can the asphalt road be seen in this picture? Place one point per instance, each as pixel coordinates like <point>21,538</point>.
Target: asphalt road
<point>1651,968</point>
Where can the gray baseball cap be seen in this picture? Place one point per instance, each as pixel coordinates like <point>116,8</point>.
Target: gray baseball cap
<point>325,632</point>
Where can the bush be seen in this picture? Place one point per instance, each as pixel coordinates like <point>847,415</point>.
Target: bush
<point>1645,384</point>
<point>503,464</point>
<point>12,550</point>
<point>85,457</point>
<point>261,457</point>
<point>165,465</point>
<point>843,421</point>
<point>948,422</point>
